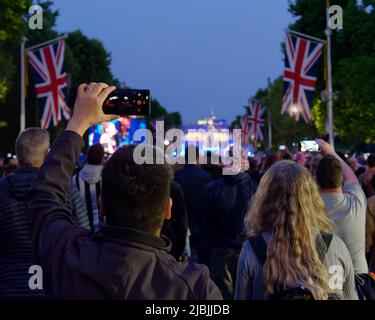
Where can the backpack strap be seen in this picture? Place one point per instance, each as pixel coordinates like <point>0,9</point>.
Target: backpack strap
<point>259,246</point>
<point>323,246</point>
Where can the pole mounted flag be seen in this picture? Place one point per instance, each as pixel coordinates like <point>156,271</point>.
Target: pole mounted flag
<point>256,120</point>
<point>47,66</point>
<point>302,54</point>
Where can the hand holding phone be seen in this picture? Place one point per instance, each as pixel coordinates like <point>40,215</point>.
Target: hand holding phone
<point>325,147</point>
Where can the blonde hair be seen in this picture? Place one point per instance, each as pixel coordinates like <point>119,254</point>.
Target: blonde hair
<point>288,205</point>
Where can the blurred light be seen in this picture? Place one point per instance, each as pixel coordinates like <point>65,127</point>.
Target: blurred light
<point>166,142</point>
<point>294,108</point>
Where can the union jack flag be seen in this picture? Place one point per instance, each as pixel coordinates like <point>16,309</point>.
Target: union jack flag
<point>301,62</point>
<point>50,82</point>
<point>256,120</point>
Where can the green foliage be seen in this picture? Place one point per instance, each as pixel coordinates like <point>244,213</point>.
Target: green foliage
<point>171,120</point>
<point>353,51</point>
<point>86,60</point>
<point>356,99</point>
<point>11,31</point>
<point>353,74</point>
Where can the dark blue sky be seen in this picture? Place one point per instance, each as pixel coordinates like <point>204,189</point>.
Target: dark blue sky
<point>192,54</point>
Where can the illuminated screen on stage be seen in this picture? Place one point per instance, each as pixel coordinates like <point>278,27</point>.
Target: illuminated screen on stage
<point>116,133</point>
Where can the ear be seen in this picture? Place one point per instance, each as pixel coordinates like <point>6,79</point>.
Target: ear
<point>101,209</point>
<point>168,210</point>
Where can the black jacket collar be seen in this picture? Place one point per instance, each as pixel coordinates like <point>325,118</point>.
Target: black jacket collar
<point>133,235</point>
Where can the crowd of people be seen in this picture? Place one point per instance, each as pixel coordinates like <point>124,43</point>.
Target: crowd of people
<point>286,226</point>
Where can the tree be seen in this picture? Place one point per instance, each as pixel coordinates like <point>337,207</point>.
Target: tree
<point>86,60</point>
<point>11,31</point>
<point>171,120</point>
<point>353,51</point>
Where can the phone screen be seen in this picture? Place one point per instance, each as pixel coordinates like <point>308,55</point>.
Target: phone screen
<point>309,146</point>
<point>128,102</point>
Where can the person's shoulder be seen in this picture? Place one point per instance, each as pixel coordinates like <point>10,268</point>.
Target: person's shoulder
<point>355,191</point>
<point>248,252</point>
<point>185,269</point>
<point>195,275</point>
<point>352,187</point>
<point>338,248</point>
<point>337,241</point>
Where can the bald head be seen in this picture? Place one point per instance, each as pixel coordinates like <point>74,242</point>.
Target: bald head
<point>32,146</point>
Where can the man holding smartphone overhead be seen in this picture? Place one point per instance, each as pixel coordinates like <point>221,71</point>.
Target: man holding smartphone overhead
<point>345,203</point>
<point>127,259</point>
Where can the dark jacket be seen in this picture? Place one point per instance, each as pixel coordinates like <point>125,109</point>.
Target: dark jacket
<point>116,263</point>
<point>175,228</point>
<point>194,181</point>
<point>228,200</point>
<point>16,254</point>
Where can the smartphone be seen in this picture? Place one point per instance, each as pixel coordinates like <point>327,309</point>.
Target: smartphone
<point>309,146</point>
<point>128,102</point>
<point>282,147</point>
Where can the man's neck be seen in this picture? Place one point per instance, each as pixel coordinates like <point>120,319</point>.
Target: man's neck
<point>331,190</point>
<point>157,233</point>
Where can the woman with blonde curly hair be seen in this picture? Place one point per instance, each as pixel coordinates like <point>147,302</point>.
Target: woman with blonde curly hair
<point>288,215</point>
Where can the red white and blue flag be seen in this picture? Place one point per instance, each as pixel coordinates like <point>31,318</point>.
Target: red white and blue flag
<point>301,62</point>
<point>51,81</point>
<point>256,120</point>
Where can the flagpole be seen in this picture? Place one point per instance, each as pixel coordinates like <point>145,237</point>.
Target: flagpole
<point>269,115</point>
<point>304,35</point>
<point>46,42</point>
<point>329,80</point>
<point>22,89</point>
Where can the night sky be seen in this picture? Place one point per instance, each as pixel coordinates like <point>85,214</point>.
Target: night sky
<point>194,55</point>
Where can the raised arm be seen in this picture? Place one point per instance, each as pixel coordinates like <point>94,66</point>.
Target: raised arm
<point>349,175</point>
<point>49,216</point>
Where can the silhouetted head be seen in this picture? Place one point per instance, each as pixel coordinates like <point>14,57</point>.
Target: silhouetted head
<point>32,146</point>
<point>95,154</point>
<point>136,196</point>
<point>329,173</point>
